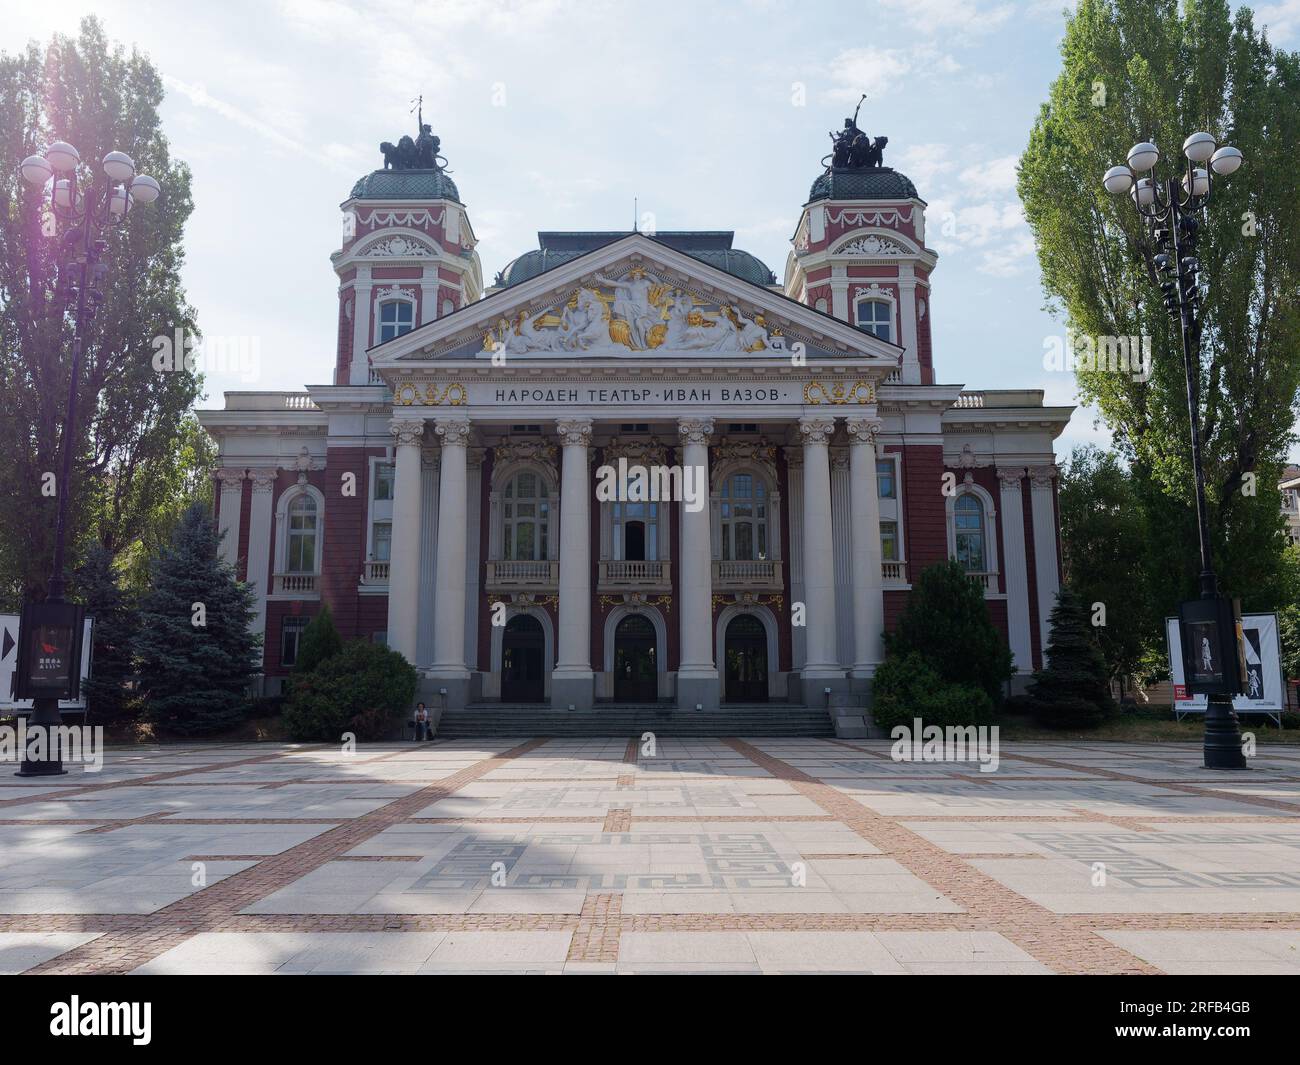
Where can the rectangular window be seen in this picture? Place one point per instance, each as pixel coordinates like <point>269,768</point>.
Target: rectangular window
<point>381,540</point>
<point>291,630</point>
<point>383,480</point>
<point>889,541</point>
<point>886,482</point>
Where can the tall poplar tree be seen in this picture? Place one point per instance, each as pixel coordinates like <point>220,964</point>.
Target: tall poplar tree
<point>1154,70</point>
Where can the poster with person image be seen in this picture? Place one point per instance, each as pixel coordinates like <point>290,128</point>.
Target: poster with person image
<point>1264,683</point>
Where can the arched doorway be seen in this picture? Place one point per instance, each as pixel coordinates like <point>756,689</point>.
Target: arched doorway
<point>636,668</point>
<point>745,652</point>
<point>523,647</point>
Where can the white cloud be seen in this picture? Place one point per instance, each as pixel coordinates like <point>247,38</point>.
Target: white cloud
<point>996,177</point>
<point>1282,20</point>
<point>965,16</point>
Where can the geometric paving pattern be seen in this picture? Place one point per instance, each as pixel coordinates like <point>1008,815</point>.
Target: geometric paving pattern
<point>716,855</point>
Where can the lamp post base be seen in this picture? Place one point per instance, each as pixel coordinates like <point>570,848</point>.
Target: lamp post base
<point>42,732</point>
<point>1222,735</point>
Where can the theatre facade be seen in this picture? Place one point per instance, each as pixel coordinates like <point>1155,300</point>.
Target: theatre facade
<point>636,469</point>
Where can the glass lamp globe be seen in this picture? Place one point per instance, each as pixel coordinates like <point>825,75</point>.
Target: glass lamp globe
<point>36,170</point>
<point>1144,192</point>
<point>1142,157</point>
<point>62,156</point>
<point>63,193</point>
<point>145,189</point>
<point>119,166</point>
<point>1226,160</point>
<point>1199,147</point>
<point>1117,180</point>
<point>1200,185</point>
<point>120,202</point>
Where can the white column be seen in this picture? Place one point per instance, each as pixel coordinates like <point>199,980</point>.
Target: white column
<point>260,516</point>
<point>404,552</point>
<point>429,293</point>
<point>818,551</point>
<point>907,324</point>
<point>572,682</point>
<point>232,500</point>
<point>868,589</point>
<point>361,290</point>
<point>840,294</point>
<point>697,677</point>
<point>1043,513</point>
<point>449,606</point>
<point>1014,566</point>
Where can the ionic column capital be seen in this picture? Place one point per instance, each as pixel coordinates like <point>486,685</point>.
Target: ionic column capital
<point>407,431</point>
<point>816,429</point>
<point>695,430</point>
<point>453,432</point>
<point>574,432</point>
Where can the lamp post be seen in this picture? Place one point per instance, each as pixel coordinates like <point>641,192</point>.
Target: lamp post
<point>51,667</point>
<point>1170,210</point>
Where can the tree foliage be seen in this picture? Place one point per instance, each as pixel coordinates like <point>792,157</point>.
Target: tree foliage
<point>1073,689</point>
<point>136,448</point>
<point>195,664</point>
<point>1154,69</point>
<point>947,622</point>
<point>320,640</point>
<point>98,585</point>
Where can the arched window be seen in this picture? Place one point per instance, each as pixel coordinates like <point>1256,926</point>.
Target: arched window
<point>744,507</point>
<point>969,533</point>
<point>526,512</point>
<point>636,531</point>
<point>303,529</point>
<point>395,318</point>
<point>875,317</point>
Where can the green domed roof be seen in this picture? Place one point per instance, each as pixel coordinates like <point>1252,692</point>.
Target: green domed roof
<point>878,183</point>
<point>712,247</point>
<point>405,185</point>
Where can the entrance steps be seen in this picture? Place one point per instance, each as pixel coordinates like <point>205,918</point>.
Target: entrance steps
<point>760,719</point>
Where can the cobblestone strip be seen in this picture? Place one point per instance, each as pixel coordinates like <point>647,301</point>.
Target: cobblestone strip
<point>194,913</point>
<point>617,819</point>
<point>630,753</point>
<point>1032,927</point>
<point>596,935</point>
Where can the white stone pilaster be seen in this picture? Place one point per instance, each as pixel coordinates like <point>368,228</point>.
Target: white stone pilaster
<point>907,324</point>
<point>449,605</point>
<point>572,682</point>
<point>359,374</point>
<point>260,519</point>
<point>404,555</point>
<point>1014,566</point>
<point>232,501</point>
<point>818,548</point>
<point>1043,514</point>
<point>868,585</point>
<point>697,676</point>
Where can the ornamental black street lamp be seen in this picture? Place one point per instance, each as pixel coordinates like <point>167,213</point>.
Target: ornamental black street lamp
<point>49,659</point>
<point>1170,209</point>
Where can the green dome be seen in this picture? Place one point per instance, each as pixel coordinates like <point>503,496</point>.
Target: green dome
<point>405,185</point>
<point>880,183</point>
<point>712,247</point>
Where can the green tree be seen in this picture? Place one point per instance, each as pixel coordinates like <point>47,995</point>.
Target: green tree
<point>195,652</point>
<point>1104,545</point>
<point>364,689</point>
<point>946,621</point>
<point>98,586</point>
<point>1154,69</point>
<point>132,463</point>
<point>320,640</point>
<point>1073,690</point>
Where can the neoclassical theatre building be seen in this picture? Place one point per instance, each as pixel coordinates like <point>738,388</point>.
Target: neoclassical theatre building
<point>441,491</point>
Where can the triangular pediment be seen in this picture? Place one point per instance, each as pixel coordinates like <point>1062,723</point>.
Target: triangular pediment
<point>634,300</point>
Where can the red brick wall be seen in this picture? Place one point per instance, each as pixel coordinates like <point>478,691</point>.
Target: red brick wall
<point>343,361</point>
<point>1031,569</point>
<point>345,543</point>
<point>925,522</point>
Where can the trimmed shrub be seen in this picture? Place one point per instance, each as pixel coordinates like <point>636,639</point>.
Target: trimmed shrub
<point>320,640</point>
<point>365,689</point>
<point>947,622</point>
<point>1073,692</point>
<point>908,687</point>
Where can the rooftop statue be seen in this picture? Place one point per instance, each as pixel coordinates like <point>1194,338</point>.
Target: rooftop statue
<point>417,153</point>
<point>852,149</point>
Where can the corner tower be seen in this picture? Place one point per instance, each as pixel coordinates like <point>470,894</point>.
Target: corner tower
<point>408,253</point>
<point>859,251</point>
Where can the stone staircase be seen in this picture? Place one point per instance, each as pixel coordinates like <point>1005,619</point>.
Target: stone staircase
<point>481,720</point>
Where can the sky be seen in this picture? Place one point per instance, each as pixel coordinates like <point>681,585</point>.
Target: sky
<point>561,114</point>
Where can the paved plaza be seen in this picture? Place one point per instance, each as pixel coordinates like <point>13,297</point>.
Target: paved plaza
<point>714,855</point>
